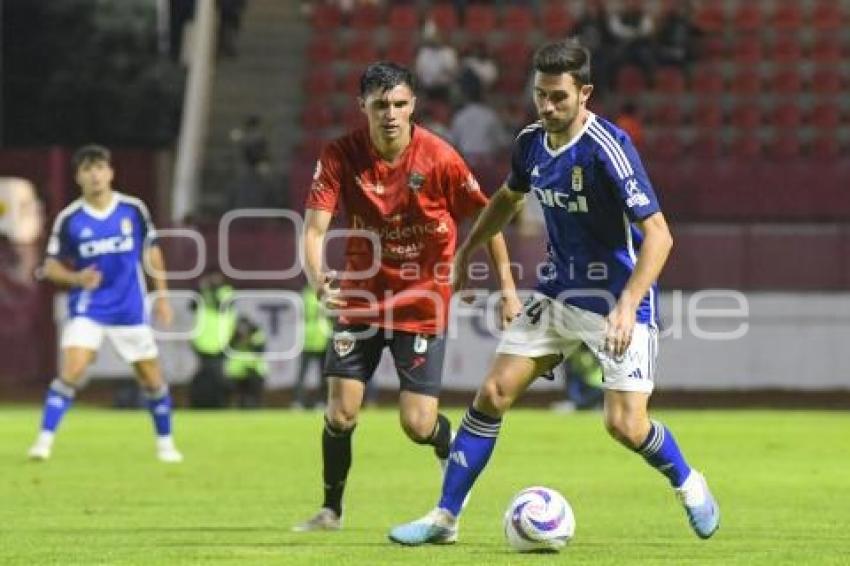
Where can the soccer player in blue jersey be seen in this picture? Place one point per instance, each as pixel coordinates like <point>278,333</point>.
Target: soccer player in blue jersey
<point>97,249</point>
<point>608,242</point>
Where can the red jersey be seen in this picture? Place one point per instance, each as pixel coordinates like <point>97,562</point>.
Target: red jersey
<point>413,208</point>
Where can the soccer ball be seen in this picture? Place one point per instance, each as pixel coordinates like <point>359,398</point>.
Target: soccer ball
<point>539,518</point>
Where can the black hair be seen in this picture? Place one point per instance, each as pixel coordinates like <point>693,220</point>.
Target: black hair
<point>385,75</point>
<point>90,153</point>
<point>564,57</point>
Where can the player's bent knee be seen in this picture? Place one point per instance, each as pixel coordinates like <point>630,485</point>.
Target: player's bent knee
<point>418,429</point>
<point>630,432</point>
<point>341,419</point>
<point>494,398</point>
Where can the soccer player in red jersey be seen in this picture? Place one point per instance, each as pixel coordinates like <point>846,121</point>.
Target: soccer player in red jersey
<point>403,190</point>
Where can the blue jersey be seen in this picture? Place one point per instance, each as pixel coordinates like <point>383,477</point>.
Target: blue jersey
<point>592,190</point>
<point>112,240</point>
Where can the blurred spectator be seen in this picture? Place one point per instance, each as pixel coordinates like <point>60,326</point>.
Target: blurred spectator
<point>245,367</point>
<point>436,64</point>
<point>214,328</point>
<point>180,13</point>
<point>437,117</point>
<point>677,37</point>
<point>479,67</point>
<point>229,22</point>
<point>477,130</point>
<point>251,143</point>
<point>252,189</point>
<point>252,185</point>
<point>632,28</point>
<point>629,120</point>
<point>592,31</point>
<point>317,333</point>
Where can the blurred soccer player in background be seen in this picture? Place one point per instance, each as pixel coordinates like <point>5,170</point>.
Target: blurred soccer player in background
<point>410,189</point>
<point>97,250</point>
<point>608,242</point>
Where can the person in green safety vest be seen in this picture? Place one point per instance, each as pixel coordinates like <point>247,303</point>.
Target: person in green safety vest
<point>245,365</point>
<point>215,323</point>
<point>582,381</point>
<point>317,332</point>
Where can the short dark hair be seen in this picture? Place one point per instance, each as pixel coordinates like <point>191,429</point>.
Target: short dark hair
<point>385,75</point>
<point>89,153</point>
<point>564,57</point>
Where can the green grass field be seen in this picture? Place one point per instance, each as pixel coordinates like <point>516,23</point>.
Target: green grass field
<point>781,479</point>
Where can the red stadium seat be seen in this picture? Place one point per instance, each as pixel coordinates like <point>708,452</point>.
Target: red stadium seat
<point>707,144</point>
<point>668,115</point>
<point>708,115</point>
<point>480,19</point>
<point>556,20</point>
<point>515,52</point>
<point>402,49</point>
<point>362,50</point>
<point>444,16</point>
<point>512,81</point>
<point>710,17</point>
<point>365,17</point>
<point>748,50</point>
<point>403,17</point>
<point>707,80</point>
<point>746,82</point>
<point>826,116</point>
<point>786,81</point>
<point>350,83</point>
<point>785,145</point>
<point>666,144</point>
<point>825,146</point>
<point>326,17</point>
<point>714,48</point>
<point>670,80</point>
<point>786,16</point>
<point>518,19</point>
<point>630,81</point>
<point>309,148</point>
<point>322,49</point>
<point>316,116</point>
<point>747,17</point>
<point>352,117</point>
<point>319,80</point>
<point>745,146</point>
<point>746,117</point>
<point>786,49</point>
<point>786,115</point>
<point>826,50</point>
<point>827,16</point>
<point>827,81</point>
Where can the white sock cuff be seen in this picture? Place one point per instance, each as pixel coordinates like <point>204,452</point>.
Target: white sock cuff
<point>63,387</point>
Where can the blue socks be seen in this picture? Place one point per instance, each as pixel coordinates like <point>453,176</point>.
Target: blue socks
<point>59,398</point>
<point>469,453</point>
<point>159,405</point>
<point>662,453</point>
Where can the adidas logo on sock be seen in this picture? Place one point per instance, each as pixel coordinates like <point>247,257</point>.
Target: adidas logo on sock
<point>459,458</point>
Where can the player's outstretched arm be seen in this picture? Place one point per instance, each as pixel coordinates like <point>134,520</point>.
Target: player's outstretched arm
<point>653,254</point>
<point>155,270</point>
<point>498,212</point>
<point>501,261</point>
<point>316,223</point>
<point>56,271</point>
